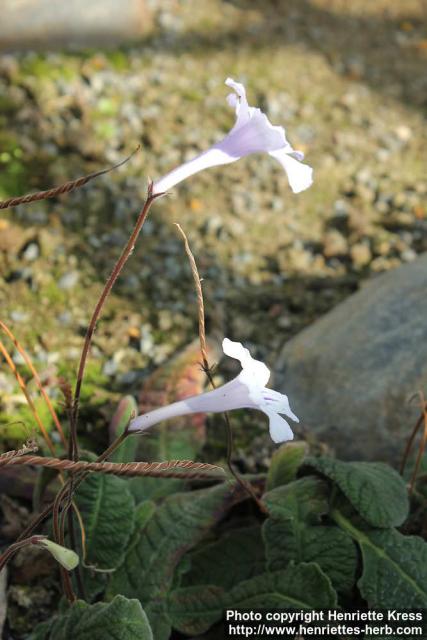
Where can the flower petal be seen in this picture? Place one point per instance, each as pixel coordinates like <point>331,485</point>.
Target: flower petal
<point>272,400</point>
<point>254,373</point>
<point>254,136</point>
<point>239,102</point>
<point>298,155</point>
<point>300,175</point>
<point>280,431</point>
<point>235,350</point>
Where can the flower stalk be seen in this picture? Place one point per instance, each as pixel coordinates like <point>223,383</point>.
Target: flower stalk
<point>127,251</point>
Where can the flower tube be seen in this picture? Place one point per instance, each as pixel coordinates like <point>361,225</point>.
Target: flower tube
<point>246,391</point>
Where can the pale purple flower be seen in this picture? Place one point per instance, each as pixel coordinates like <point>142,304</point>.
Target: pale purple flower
<point>252,133</point>
<point>246,391</point>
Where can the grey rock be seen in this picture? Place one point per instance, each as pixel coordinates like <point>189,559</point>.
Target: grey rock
<point>31,24</point>
<point>351,375</point>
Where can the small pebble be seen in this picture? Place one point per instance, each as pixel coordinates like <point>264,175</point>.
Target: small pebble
<point>68,280</point>
<point>31,252</point>
<point>361,255</point>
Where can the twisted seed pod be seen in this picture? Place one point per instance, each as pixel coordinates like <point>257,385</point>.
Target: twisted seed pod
<point>169,469</point>
<point>67,187</point>
<point>15,453</point>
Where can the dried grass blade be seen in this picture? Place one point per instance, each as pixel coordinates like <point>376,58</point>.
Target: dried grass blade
<point>30,403</point>
<point>37,380</point>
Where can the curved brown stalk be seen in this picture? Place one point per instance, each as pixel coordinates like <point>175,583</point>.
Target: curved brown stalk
<point>421,448</point>
<point>16,546</point>
<point>127,251</point>
<point>48,509</point>
<point>414,432</point>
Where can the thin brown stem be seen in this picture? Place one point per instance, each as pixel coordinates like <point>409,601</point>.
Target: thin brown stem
<point>60,525</point>
<point>16,546</point>
<point>35,540</point>
<point>67,586</point>
<point>246,485</point>
<point>72,484</point>
<point>421,448</point>
<point>410,442</point>
<point>48,509</point>
<point>59,535</point>
<point>73,451</point>
<point>127,251</point>
<point>113,446</point>
<point>73,544</point>
<point>56,512</point>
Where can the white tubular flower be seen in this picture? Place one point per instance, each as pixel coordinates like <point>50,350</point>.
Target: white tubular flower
<point>246,391</point>
<point>252,133</point>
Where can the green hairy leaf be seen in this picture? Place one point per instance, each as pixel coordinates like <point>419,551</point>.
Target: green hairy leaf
<point>175,527</point>
<point>121,618</point>
<point>107,509</point>
<point>290,533</point>
<point>238,555</point>
<point>332,549</point>
<point>159,619</point>
<point>305,500</point>
<point>395,570</point>
<point>394,566</point>
<point>375,490</point>
<point>285,463</point>
<point>193,610</point>
<point>154,488</point>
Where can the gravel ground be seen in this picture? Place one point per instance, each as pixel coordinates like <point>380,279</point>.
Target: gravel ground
<point>348,83</point>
